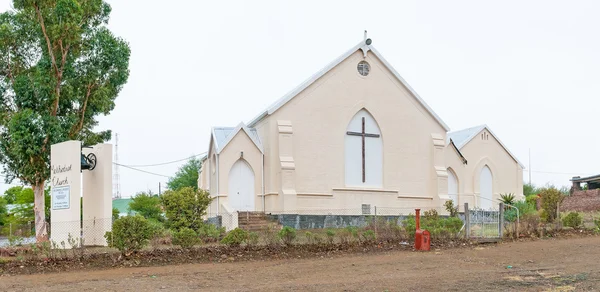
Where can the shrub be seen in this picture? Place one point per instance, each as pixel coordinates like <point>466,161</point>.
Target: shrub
<point>287,235</point>
<point>252,238</point>
<point>597,223</point>
<point>211,233</point>
<point>551,198</point>
<point>235,237</point>
<point>330,235</point>
<point>147,205</point>
<point>348,234</point>
<point>129,234</point>
<point>532,199</point>
<point>573,219</point>
<point>369,236</point>
<point>507,198</point>
<point>310,237</point>
<point>185,207</point>
<point>524,207</point>
<point>271,234</point>
<point>450,208</point>
<point>186,238</point>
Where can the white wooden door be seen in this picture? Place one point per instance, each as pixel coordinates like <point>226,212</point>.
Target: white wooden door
<point>241,187</point>
<point>486,188</point>
<point>452,187</point>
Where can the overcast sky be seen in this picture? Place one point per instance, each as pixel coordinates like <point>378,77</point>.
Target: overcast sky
<point>528,69</point>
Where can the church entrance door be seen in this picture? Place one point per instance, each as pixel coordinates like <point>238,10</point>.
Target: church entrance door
<point>241,187</point>
<point>486,188</point>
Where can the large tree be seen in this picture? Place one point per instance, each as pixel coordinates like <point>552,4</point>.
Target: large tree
<point>60,67</point>
<point>186,176</point>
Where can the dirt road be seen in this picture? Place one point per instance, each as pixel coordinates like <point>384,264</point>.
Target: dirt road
<point>542,265</point>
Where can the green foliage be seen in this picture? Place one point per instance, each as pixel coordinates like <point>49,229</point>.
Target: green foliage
<point>573,219</point>
<point>10,195</point>
<point>211,233</point>
<point>185,207</point>
<point>235,237</point>
<point>186,238</point>
<point>23,212</point>
<point>146,205</point>
<point>3,212</point>
<point>437,227</point>
<point>287,234</point>
<point>369,236</point>
<point>532,200</point>
<point>510,214</point>
<point>330,235</point>
<point>597,223</point>
<point>508,198</point>
<point>129,234</point>
<point>186,176</point>
<point>61,69</point>
<point>348,234</point>
<point>551,197</point>
<point>530,189</point>
<point>115,213</point>
<point>252,238</point>
<point>450,208</point>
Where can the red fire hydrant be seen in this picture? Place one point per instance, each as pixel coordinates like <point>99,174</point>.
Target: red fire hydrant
<point>422,237</point>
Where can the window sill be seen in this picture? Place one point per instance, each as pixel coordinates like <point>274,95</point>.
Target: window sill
<point>358,189</point>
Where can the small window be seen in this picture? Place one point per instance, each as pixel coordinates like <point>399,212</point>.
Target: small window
<point>366,209</point>
<point>363,68</point>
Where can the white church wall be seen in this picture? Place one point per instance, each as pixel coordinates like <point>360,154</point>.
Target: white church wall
<point>507,174</point>
<point>320,116</point>
<point>229,156</point>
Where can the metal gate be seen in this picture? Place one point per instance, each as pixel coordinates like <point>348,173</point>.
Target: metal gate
<point>483,224</point>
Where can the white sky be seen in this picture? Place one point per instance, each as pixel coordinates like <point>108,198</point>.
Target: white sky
<point>528,69</point>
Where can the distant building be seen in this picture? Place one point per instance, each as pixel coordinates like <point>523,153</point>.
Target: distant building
<point>592,182</point>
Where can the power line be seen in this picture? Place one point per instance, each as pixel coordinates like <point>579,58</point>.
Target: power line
<point>169,162</point>
<point>552,172</point>
<point>148,172</point>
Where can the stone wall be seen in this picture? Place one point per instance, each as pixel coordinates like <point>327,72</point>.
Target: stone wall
<point>581,200</point>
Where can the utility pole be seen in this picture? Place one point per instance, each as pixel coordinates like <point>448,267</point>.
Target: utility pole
<point>530,166</point>
<point>116,176</point>
<point>159,189</point>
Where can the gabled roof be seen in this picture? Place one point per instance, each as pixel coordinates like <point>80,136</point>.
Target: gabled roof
<point>360,46</point>
<point>462,137</point>
<point>223,135</point>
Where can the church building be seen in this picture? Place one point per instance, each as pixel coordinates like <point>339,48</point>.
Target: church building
<point>355,135</point>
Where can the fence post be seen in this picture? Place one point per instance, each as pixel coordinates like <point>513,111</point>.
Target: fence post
<point>500,219</point>
<point>467,221</point>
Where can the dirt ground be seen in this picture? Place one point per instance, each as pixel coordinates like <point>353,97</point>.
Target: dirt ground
<point>541,265</point>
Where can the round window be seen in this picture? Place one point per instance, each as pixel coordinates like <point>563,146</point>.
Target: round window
<point>363,68</point>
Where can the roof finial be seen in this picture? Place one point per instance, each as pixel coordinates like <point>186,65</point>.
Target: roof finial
<point>365,39</point>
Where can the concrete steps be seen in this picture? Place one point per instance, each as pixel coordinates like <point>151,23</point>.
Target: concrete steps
<point>254,221</point>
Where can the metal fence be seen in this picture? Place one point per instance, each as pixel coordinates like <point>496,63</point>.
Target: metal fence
<point>68,234</point>
<point>484,223</point>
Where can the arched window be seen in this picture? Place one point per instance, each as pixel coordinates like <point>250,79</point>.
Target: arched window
<point>486,188</point>
<point>363,152</point>
<point>452,186</point>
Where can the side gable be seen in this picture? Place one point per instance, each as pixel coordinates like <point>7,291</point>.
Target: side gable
<point>463,137</point>
<point>457,151</point>
<point>365,46</point>
<point>221,136</point>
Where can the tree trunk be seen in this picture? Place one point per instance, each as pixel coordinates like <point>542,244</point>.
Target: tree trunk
<point>39,211</point>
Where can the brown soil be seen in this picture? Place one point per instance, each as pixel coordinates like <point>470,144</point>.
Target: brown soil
<point>537,265</point>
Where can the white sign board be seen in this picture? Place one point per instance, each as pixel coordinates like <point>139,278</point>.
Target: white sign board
<point>61,197</point>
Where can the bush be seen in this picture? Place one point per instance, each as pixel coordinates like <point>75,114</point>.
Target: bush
<point>508,198</point>
<point>211,233</point>
<point>551,197</point>
<point>573,219</point>
<point>186,238</point>
<point>252,238</point>
<point>129,234</point>
<point>310,237</point>
<point>437,227</point>
<point>452,210</point>
<point>330,235</point>
<point>348,234</point>
<point>369,236</point>
<point>532,200</point>
<point>287,235</point>
<point>147,205</point>
<point>185,207</point>
<point>524,207</point>
<point>235,237</point>
<point>597,223</point>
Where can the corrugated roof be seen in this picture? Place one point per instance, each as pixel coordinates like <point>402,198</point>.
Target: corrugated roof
<point>122,205</point>
<point>222,136</point>
<point>586,179</point>
<point>462,137</point>
<point>360,46</point>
